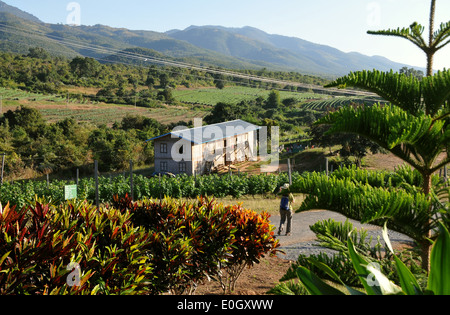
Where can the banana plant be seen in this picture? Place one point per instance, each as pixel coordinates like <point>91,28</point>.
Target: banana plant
<point>375,282</point>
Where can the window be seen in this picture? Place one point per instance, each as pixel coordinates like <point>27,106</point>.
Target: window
<point>182,167</point>
<point>163,148</point>
<point>163,166</point>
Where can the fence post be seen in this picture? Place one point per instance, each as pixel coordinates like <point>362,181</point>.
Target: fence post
<point>289,171</point>
<point>96,184</point>
<point>326,166</point>
<point>131,181</point>
<point>160,190</point>
<point>3,165</point>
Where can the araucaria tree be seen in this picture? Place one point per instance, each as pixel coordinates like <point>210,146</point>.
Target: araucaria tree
<point>436,39</point>
<point>416,125</point>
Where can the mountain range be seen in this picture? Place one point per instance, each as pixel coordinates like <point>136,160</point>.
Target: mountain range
<point>231,48</point>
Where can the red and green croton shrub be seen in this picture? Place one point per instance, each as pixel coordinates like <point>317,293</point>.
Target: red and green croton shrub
<point>254,238</point>
<point>142,247</point>
<point>188,240</point>
<point>71,249</point>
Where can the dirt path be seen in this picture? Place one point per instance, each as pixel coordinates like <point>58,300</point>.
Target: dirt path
<point>262,277</point>
<point>303,241</point>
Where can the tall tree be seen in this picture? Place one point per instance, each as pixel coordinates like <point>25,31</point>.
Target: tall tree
<point>273,100</point>
<point>436,39</point>
<point>416,127</point>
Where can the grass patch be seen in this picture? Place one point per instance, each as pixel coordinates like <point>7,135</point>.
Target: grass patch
<point>259,203</point>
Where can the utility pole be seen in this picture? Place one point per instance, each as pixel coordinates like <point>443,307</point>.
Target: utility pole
<point>289,171</point>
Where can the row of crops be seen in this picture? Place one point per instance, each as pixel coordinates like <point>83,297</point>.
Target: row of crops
<point>21,193</point>
<point>311,101</point>
<point>337,102</point>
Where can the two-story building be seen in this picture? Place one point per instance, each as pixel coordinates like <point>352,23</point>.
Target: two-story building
<point>198,150</point>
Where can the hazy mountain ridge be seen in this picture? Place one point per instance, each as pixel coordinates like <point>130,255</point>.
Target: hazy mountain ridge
<point>232,48</point>
<point>17,12</point>
<point>282,50</point>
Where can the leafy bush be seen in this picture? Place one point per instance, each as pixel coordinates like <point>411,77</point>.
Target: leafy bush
<point>408,212</point>
<point>335,235</point>
<point>43,246</point>
<point>142,247</point>
<point>254,237</point>
<point>375,282</point>
<point>193,241</point>
<point>188,241</point>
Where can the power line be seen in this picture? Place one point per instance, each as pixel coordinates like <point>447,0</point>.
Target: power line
<point>167,70</point>
<point>166,62</point>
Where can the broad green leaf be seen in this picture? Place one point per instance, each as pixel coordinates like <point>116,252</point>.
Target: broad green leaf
<point>439,278</point>
<point>386,238</point>
<point>359,263</point>
<point>3,258</point>
<point>326,269</point>
<point>314,284</point>
<point>386,286</point>
<point>408,282</point>
<point>332,274</point>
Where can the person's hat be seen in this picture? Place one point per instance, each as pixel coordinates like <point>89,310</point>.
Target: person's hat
<point>285,186</point>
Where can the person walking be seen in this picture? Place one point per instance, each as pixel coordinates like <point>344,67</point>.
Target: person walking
<point>286,211</point>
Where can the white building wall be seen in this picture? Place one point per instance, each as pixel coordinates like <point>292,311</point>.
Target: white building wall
<point>199,157</point>
<point>169,156</point>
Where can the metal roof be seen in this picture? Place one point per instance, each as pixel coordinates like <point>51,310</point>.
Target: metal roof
<point>209,133</point>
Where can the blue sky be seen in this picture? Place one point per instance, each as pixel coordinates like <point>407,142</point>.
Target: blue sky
<point>341,24</point>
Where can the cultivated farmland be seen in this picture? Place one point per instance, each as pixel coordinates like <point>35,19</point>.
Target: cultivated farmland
<point>236,94</point>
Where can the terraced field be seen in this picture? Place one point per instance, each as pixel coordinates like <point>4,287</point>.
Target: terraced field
<point>194,103</point>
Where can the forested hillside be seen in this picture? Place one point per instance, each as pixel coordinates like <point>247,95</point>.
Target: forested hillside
<point>41,132</point>
<point>40,71</point>
<point>211,46</point>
